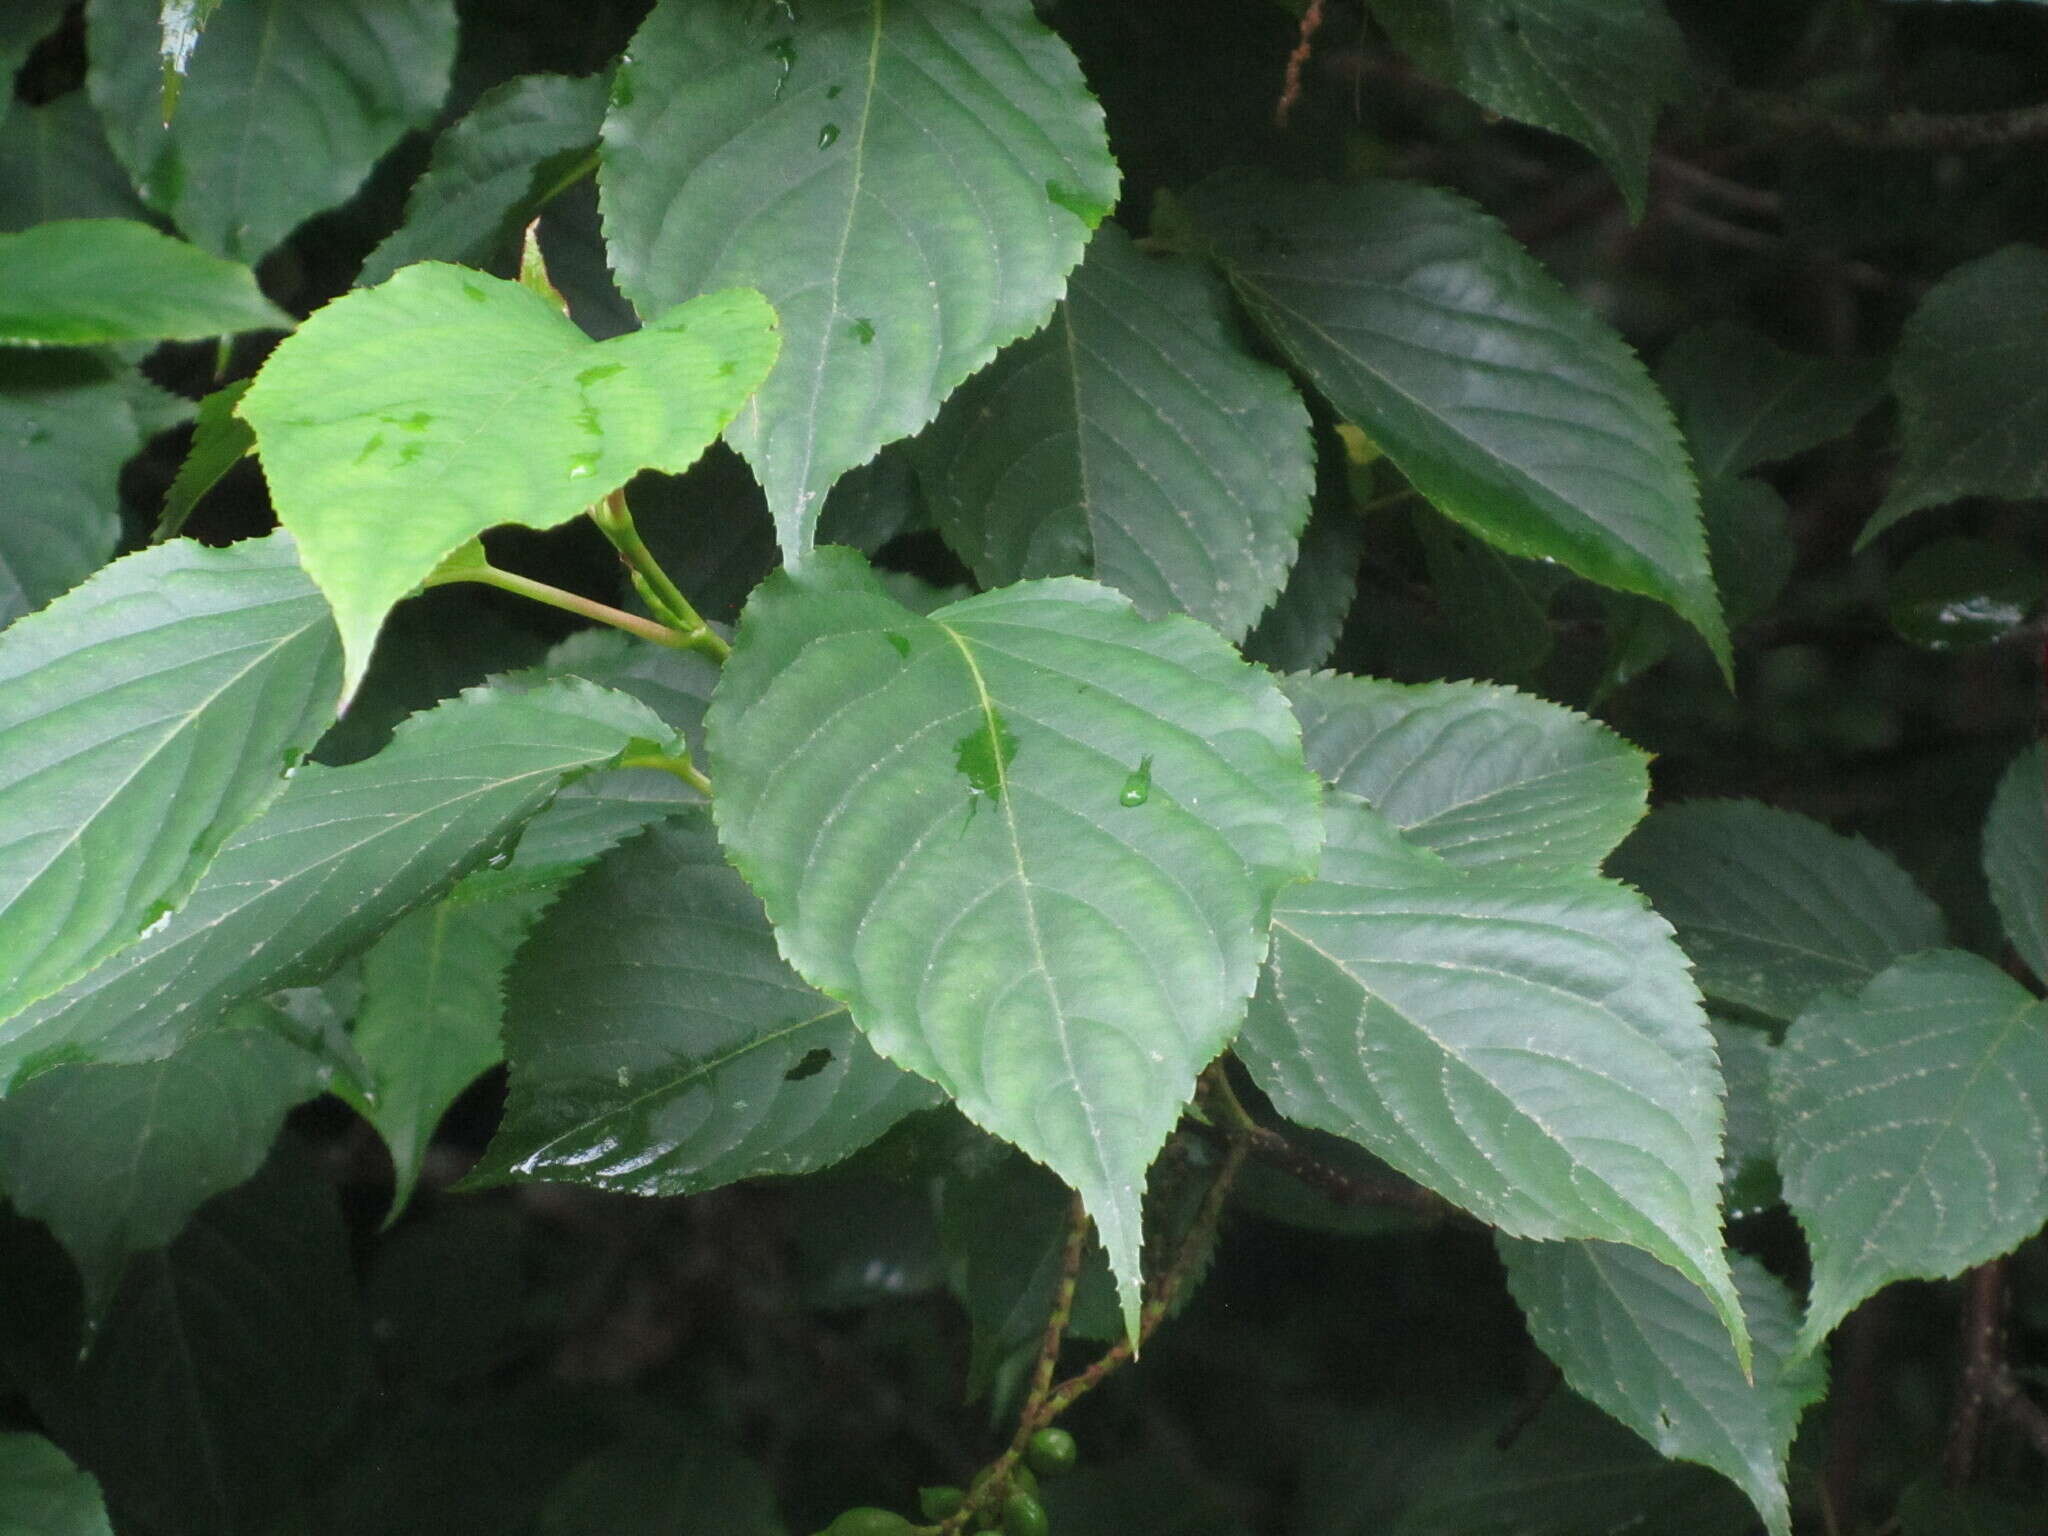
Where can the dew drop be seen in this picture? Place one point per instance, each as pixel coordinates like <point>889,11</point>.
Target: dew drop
<point>984,753</point>
<point>828,135</point>
<point>474,293</point>
<point>622,84</point>
<point>901,642</point>
<point>863,331</point>
<point>583,466</point>
<point>625,1078</point>
<point>1138,785</point>
<point>783,51</point>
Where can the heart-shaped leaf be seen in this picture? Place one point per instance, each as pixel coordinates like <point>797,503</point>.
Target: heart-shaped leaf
<point>1031,839</point>
<point>401,421</point>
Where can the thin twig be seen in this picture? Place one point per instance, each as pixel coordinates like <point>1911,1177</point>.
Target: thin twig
<point>1896,130</point>
<point>1304,45</point>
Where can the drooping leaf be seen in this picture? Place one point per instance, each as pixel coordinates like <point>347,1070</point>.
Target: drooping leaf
<point>55,164</point>
<point>1301,628</point>
<point>1132,440</point>
<point>1507,403</point>
<point>144,718</point>
<point>669,1474</point>
<point>1972,388</point>
<point>402,421</point>
<point>66,428</point>
<point>344,853</point>
<point>660,1045</point>
<point>1528,1045</point>
<point>220,441</point>
<point>1031,839</point>
<point>115,1159</point>
<point>1640,1340</point>
<point>2016,856</point>
<point>1482,774</point>
<point>1912,1127</point>
<point>1771,907</point>
<point>491,171</point>
<point>85,282</point>
<point>181,22</point>
<point>783,147</point>
<point>42,1493</point>
<point>286,107</point>
<point>1598,71</point>
<point>1743,401</point>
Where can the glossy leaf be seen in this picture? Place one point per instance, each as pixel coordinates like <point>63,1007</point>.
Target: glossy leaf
<point>220,441</point>
<point>1744,401</point>
<point>934,810</point>
<point>1132,440</point>
<point>343,854</point>
<point>85,282</point>
<point>115,1159</point>
<point>55,164</point>
<point>1598,71</point>
<point>1481,774</point>
<point>1505,402</point>
<point>144,718</point>
<point>491,171</point>
<point>1301,628</point>
<point>660,1045</point>
<point>1640,1340</point>
<point>42,1493</point>
<point>66,428</point>
<point>1773,908</point>
<point>785,147</point>
<point>285,107</point>
<point>1530,1046</point>
<point>1913,1127</point>
<point>1959,592</point>
<point>402,421</point>
<point>1971,388</point>
<point>2016,856</point>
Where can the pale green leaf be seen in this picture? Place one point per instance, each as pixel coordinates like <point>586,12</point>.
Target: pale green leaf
<point>1032,840</point>
<point>143,718</point>
<point>402,421</point>
<point>1772,907</point>
<point>1972,386</point>
<point>66,428</point>
<point>1639,1339</point>
<point>286,106</point>
<point>1132,440</point>
<point>1505,401</point>
<point>659,1044</point>
<point>2016,856</point>
<point>55,164</point>
<point>1913,1127</point>
<point>1479,773</point>
<point>85,282</point>
<point>115,1159</point>
<point>43,1494</point>
<point>1529,1046</point>
<point>1743,401</point>
<point>908,181</point>
<point>1598,71</point>
<point>343,854</point>
<point>1302,627</point>
<point>491,172</point>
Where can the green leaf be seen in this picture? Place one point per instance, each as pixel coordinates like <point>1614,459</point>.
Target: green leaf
<point>115,1159</point>
<point>1481,774</point>
<point>427,1026</point>
<point>1507,403</point>
<point>668,1475</point>
<point>220,441</point>
<point>43,1494</point>
<point>66,428</point>
<point>1749,541</point>
<point>285,109</point>
<point>1742,400</point>
<point>181,22</point>
<point>1958,592</point>
<point>1749,1149</point>
<point>784,147</point>
<point>230,1363</point>
<point>1132,440</point>
<point>402,421</point>
<point>1913,1127</point>
<point>1528,1045</point>
<point>84,282</point>
<point>1929,1508</point>
<point>1972,388</point>
<point>1301,628</point>
<point>660,1045</point>
<point>1771,907</point>
<point>1598,71</point>
<point>1502,627</point>
<point>55,164</point>
<point>2016,856</point>
<point>25,23</point>
<point>492,171</point>
<point>1640,1340</point>
<point>943,817</point>
<point>143,718</point>
<point>343,854</point>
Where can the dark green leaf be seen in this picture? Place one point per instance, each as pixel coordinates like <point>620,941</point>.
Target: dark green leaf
<point>43,1494</point>
<point>1499,623</point>
<point>1743,401</point>
<point>1132,440</point>
<point>85,282</point>
<point>66,428</point>
<point>1773,908</point>
<point>669,1475</point>
<point>1507,403</point>
<point>1749,541</point>
<point>2016,856</point>
<point>55,164</point>
<point>22,26</point>
<point>1749,1149</point>
<point>1913,1127</point>
<point>1301,628</point>
<point>220,441</point>
<point>784,147</point>
<point>1962,592</point>
<point>144,718</point>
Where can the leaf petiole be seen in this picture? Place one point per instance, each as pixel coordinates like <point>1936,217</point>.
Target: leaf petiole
<point>615,521</point>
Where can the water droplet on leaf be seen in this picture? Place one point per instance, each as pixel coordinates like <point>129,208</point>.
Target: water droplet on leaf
<point>1138,785</point>
<point>901,642</point>
<point>474,293</point>
<point>583,466</point>
<point>828,136</point>
<point>984,754</point>
<point>863,331</point>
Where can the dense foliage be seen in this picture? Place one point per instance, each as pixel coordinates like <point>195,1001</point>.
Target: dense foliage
<point>734,734</point>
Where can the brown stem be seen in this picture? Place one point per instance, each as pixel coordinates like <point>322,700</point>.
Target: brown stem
<point>1897,130</point>
<point>1859,1360</point>
<point>1983,1370</point>
<point>1304,45</point>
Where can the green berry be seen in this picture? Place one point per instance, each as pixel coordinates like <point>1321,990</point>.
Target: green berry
<point>1021,1476</point>
<point>867,1521</point>
<point>1051,1452</point>
<point>1023,1515</point>
<point>939,1503</point>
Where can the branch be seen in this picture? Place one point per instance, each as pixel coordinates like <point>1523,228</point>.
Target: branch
<point>1897,130</point>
